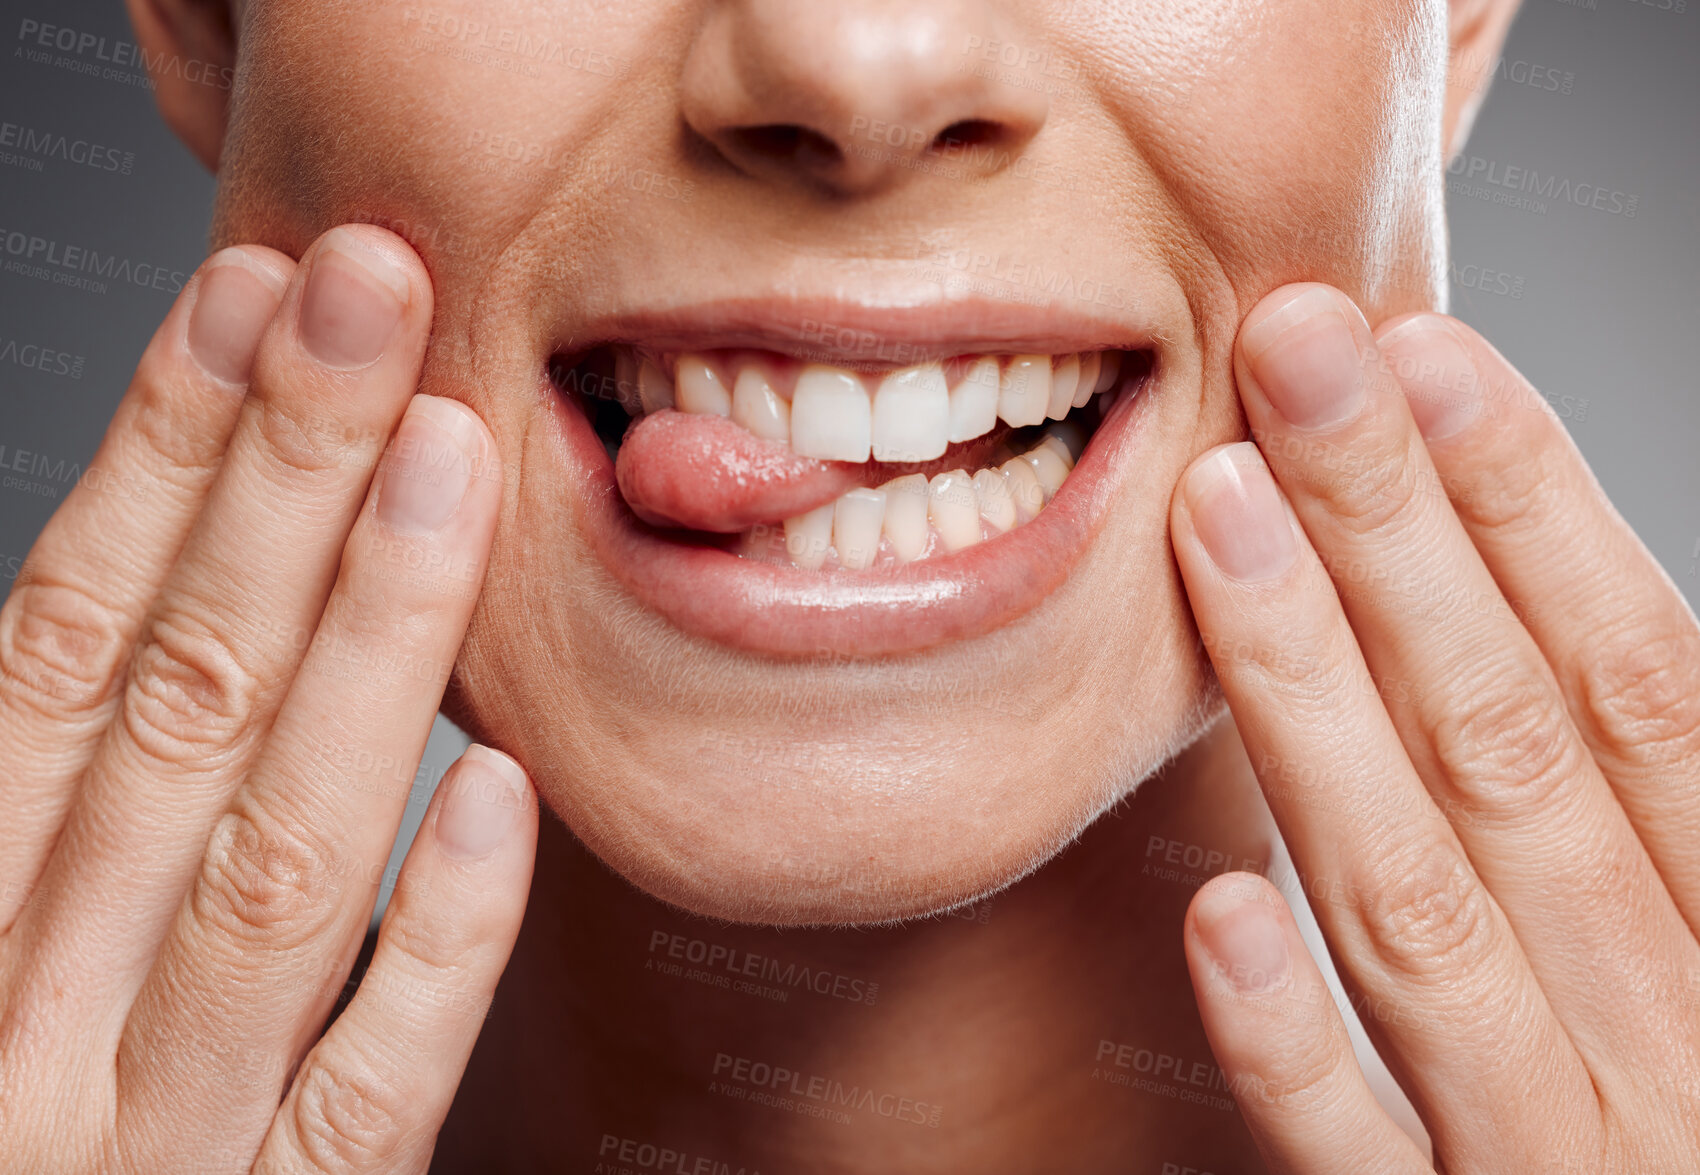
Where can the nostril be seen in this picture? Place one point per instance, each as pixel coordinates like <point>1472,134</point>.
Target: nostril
<point>968,132</point>
<point>787,141</point>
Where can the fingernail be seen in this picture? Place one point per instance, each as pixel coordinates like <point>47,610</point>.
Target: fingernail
<point>431,460</point>
<point>1244,937</point>
<point>233,304</point>
<point>485,790</point>
<point>1436,372</point>
<point>1238,514</point>
<point>354,299</point>
<point>1306,358</point>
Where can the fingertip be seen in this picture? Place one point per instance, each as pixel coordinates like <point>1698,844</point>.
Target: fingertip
<point>1429,356</point>
<point>1241,922</point>
<point>385,254</point>
<point>1286,306</point>
<point>484,798</point>
<point>270,267</point>
<point>237,293</point>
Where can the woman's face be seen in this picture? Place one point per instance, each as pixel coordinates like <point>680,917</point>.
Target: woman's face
<point>810,197</point>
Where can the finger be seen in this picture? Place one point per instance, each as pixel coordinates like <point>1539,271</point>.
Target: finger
<point>372,1094</point>
<point>1478,713</point>
<point>74,609</point>
<point>1446,992</point>
<point>1280,1041</point>
<point>333,374</point>
<point>1623,643</point>
<point>277,912</point>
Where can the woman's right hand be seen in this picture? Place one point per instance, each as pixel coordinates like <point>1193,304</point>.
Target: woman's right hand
<point>218,670</point>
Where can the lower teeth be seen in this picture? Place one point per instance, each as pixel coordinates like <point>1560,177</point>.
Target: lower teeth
<point>912,517</point>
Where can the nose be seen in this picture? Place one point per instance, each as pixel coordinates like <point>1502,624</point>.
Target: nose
<point>855,97</point>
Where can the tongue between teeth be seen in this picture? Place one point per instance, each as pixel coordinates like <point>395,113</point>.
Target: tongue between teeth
<point>706,472</point>
<point>733,456</point>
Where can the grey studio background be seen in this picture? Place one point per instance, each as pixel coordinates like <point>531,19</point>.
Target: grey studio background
<point>1575,220</point>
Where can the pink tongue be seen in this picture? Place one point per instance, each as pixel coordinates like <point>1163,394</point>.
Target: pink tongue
<point>706,473</point>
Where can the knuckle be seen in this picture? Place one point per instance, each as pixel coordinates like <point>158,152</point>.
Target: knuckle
<point>303,446</point>
<point>1642,692</point>
<point>61,650</point>
<point>261,886</point>
<point>442,947</point>
<point>1364,492</point>
<point>1303,1078</point>
<point>1305,669</point>
<point>161,418</point>
<point>1513,493</point>
<point>189,693</point>
<point>345,1118</point>
<point>1510,749</point>
<point>1426,916</point>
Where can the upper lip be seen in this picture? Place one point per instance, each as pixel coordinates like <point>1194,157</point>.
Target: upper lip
<point>894,331</point>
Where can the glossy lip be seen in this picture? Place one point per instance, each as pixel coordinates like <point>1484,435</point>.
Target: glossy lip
<point>789,612</point>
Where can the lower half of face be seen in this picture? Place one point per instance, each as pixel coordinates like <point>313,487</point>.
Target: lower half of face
<point>843,371</point>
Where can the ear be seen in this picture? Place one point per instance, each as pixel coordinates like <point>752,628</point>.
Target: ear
<point>189,47</point>
<point>1476,31</point>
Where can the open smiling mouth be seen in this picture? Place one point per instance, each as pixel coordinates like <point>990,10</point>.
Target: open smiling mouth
<point>795,507</point>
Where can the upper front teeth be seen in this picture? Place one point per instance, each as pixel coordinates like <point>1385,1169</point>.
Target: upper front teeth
<point>830,416</point>
<point>911,418</point>
<point>906,416</point>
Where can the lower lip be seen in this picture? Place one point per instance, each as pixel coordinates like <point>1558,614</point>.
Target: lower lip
<point>789,612</point>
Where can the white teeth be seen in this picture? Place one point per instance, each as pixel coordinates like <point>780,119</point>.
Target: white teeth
<point>906,516</point>
<point>759,408</point>
<point>953,509</point>
<point>655,390</point>
<point>1049,467</point>
<point>1072,436</point>
<point>807,537</point>
<point>1024,488</point>
<point>1107,371</point>
<point>830,416</point>
<point>698,388</point>
<point>961,509</point>
<point>1064,379</point>
<point>1056,445</point>
<point>911,415</point>
<point>996,506</point>
<point>974,401</point>
<point>856,523</point>
<point>1089,365</point>
<point>1025,390</point>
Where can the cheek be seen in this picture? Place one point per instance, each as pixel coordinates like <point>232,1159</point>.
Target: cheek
<point>1225,100</point>
<point>446,120</point>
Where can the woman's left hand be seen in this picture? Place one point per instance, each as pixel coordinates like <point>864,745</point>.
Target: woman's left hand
<point>1472,699</point>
